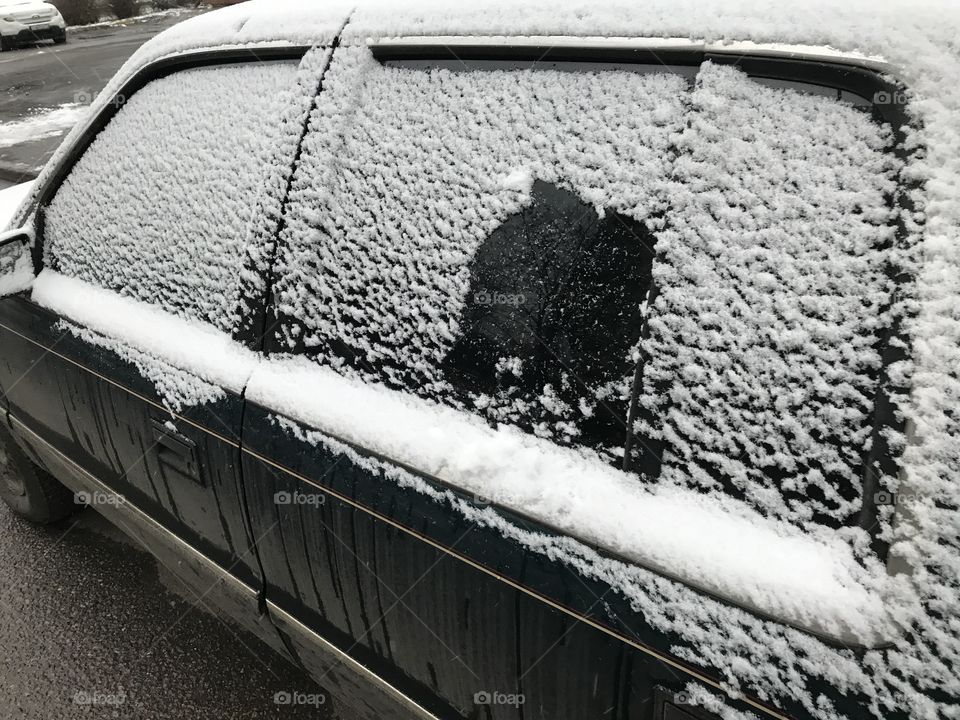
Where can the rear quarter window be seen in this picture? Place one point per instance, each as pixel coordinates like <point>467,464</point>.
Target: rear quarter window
<point>774,282</point>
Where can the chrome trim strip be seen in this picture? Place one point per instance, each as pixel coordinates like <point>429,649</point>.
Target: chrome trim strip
<point>799,52</point>
<point>288,622</point>
<point>554,41</point>
<point>746,47</point>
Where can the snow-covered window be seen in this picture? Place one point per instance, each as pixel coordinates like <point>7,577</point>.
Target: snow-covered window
<point>160,205</point>
<point>482,237</point>
<point>521,242</point>
<point>774,281</point>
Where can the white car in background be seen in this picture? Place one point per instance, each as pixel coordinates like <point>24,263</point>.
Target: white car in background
<point>24,21</point>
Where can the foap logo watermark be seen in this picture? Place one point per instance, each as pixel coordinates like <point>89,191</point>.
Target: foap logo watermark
<point>113,698</point>
<point>98,497</point>
<point>285,697</point>
<point>495,697</point>
<point>487,299</point>
<point>86,97</point>
<point>884,97</point>
<point>885,497</point>
<point>488,499</point>
<point>299,498</point>
<point>683,698</point>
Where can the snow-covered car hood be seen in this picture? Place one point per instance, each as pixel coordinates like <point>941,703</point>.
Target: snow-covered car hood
<point>10,201</point>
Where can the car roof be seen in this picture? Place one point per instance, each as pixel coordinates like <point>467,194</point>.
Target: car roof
<point>855,31</point>
<point>915,41</point>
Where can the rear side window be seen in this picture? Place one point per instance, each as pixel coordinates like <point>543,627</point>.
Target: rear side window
<point>158,207</point>
<point>775,281</point>
<point>482,237</point>
<point>564,250</point>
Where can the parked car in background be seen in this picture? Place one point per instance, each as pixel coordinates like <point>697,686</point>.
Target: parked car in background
<point>513,363</point>
<point>28,21</point>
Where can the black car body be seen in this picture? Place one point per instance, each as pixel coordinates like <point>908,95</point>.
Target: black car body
<point>403,592</point>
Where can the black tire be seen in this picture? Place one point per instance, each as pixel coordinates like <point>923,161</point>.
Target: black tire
<point>30,491</point>
<point>60,39</point>
<point>5,43</point>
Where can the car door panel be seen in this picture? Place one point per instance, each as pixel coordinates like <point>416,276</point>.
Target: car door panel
<point>99,410</point>
<point>363,576</point>
<point>463,610</point>
<point>30,390</point>
<point>593,671</point>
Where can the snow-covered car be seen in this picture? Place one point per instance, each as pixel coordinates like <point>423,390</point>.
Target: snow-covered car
<point>521,360</point>
<point>27,21</point>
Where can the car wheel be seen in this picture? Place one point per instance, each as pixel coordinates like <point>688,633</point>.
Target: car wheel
<point>5,43</point>
<point>60,39</point>
<point>30,491</point>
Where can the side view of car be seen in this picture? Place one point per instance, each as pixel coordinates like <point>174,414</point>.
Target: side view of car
<point>491,377</point>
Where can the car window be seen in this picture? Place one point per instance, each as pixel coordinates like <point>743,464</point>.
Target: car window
<point>159,205</point>
<point>519,243</point>
<point>775,278</point>
<point>482,237</point>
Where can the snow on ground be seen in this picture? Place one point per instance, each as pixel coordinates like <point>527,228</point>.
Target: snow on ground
<point>42,124</point>
<point>147,17</point>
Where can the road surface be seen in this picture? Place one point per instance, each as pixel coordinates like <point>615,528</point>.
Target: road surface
<point>91,626</point>
<point>39,78</point>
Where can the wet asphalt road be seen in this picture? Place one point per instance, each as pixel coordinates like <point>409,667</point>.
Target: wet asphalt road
<point>91,627</point>
<point>34,78</point>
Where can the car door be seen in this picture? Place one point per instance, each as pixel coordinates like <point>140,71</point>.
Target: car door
<point>376,285</point>
<point>453,260</point>
<point>144,235</point>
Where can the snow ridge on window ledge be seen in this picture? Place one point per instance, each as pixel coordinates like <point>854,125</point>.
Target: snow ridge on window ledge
<point>720,546</point>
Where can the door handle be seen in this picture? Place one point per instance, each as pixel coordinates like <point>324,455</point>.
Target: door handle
<point>176,453</point>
